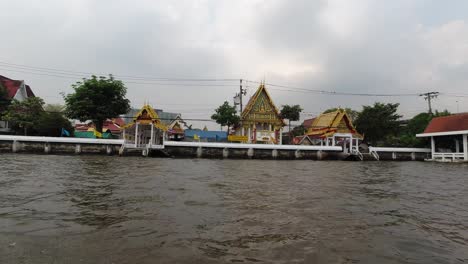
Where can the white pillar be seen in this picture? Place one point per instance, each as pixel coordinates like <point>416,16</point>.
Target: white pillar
<point>152,134</point>
<point>136,135</point>
<point>432,147</point>
<point>123,136</point>
<point>457,146</point>
<point>465,146</point>
<point>333,140</point>
<point>249,135</point>
<point>77,149</point>
<point>242,131</point>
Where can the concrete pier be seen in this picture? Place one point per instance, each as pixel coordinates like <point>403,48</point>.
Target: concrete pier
<point>181,149</point>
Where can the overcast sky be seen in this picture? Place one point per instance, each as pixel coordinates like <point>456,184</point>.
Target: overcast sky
<point>360,46</point>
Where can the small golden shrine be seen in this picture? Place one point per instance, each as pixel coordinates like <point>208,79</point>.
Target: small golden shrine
<point>260,120</point>
<point>329,124</point>
<point>146,129</point>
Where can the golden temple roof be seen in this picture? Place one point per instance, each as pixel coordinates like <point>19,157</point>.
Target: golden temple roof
<point>261,108</point>
<point>327,124</point>
<point>147,116</point>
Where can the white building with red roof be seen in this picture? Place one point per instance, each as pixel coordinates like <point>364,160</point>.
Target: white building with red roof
<point>449,137</point>
<point>15,89</point>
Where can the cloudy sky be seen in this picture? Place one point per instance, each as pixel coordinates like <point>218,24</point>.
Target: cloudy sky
<point>360,46</point>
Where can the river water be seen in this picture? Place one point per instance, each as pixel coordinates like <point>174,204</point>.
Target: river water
<point>99,209</point>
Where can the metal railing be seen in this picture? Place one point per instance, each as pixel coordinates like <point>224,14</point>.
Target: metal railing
<point>449,156</point>
<point>374,154</point>
<point>355,151</point>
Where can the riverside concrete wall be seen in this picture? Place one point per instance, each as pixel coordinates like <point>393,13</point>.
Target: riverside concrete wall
<point>18,144</point>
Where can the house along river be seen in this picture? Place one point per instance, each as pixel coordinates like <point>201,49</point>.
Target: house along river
<point>95,209</point>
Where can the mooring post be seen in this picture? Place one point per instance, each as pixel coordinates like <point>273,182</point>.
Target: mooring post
<point>274,153</point>
<point>319,155</point>
<point>122,150</point>
<point>109,150</point>
<point>145,152</point>
<point>250,152</point>
<point>297,154</point>
<point>78,149</point>
<point>225,153</point>
<point>47,147</point>
<point>15,147</point>
<point>199,152</point>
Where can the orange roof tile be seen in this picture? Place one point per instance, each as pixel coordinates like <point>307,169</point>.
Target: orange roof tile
<point>457,122</point>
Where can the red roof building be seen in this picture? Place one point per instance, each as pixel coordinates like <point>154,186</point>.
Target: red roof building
<point>16,89</point>
<point>307,123</point>
<point>458,122</point>
<point>453,128</point>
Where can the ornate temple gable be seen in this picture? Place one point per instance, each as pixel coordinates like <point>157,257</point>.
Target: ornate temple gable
<point>261,109</point>
<point>147,116</point>
<point>330,123</point>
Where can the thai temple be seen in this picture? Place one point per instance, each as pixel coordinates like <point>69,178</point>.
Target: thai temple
<point>260,120</point>
<point>330,129</point>
<point>146,131</point>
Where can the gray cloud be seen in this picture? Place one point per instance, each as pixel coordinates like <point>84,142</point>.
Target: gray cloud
<point>363,46</point>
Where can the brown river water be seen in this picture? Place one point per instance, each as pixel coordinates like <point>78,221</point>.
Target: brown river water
<point>99,209</point>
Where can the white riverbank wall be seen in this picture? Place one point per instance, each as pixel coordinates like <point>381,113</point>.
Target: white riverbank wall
<point>66,145</point>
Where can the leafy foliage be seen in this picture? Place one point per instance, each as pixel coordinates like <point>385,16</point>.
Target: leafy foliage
<point>97,99</point>
<point>416,125</point>
<point>378,122</point>
<point>50,124</point>
<point>292,113</point>
<point>54,108</point>
<point>24,115</point>
<point>298,131</point>
<point>4,102</point>
<point>353,114</point>
<point>226,115</point>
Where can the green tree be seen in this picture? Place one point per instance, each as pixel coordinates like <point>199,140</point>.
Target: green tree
<point>24,115</point>
<point>416,125</point>
<point>291,112</point>
<point>4,102</point>
<point>50,124</point>
<point>298,131</point>
<point>378,122</point>
<point>353,114</point>
<point>226,115</point>
<point>54,108</point>
<point>97,99</point>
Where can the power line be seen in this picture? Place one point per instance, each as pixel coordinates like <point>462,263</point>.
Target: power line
<point>213,82</point>
<point>83,74</point>
<point>298,89</point>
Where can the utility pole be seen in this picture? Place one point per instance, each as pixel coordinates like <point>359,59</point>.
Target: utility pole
<point>238,96</point>
<point>428,96</point>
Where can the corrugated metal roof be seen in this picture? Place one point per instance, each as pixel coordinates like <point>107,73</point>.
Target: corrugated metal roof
<point>457,122</point>
<point>205,134</point>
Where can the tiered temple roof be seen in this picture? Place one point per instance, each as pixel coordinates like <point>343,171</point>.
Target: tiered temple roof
<point>261,109</point>
<point>147,116</point>
<point>328,124</point>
